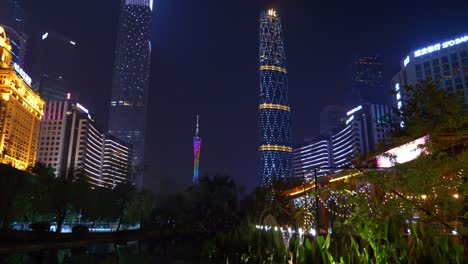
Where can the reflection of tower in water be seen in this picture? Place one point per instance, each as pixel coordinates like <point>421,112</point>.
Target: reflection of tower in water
<point>196,153</point>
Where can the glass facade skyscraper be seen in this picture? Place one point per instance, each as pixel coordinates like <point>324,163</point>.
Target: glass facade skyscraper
<point>368,82</point>
<point>274,113</point>
<point>128,104</point>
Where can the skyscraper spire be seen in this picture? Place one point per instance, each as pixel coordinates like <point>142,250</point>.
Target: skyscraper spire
<point>196,153</point>
<point>196,131</point>
<point>274,113</point>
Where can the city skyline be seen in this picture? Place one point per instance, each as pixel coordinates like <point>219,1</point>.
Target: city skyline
<point>318,40</point>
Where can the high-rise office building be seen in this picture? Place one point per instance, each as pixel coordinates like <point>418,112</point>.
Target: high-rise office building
<point>18,41</point>
<point>367,81</point>
<point>331,118</point>
<point>367,126</point>
<point>52,89</point>
<point>52,135</point>
<point>445,62</point>
<point>313,154</point>
<point>14,28</point>
<point>196,154</point>
<point>16,14</point>
<point>274,116</point>
<point>130,83</point>
<point>116,162</point>
<point>55,66</point>
<point>21,110</point>
<point>72,145</point>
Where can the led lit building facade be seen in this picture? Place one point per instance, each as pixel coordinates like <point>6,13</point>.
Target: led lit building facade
<point>116,161</point>
<point>274,116</point>
<point>313,154</point>
<point>366,127</point>
<point>196,154</point>
<point>21,110</point>
<point>129,97</point>
<point>444,61</point>
<point>72,145</point>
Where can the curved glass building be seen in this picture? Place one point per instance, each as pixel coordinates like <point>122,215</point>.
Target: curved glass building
<point>274,113</point>
<point>127,120</point>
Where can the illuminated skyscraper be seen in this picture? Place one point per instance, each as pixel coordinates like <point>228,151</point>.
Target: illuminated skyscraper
<point>131,78</point>
<point>196,154</point>
<point>274,124</point>
<point>445,62</point>
<point>21,110</point>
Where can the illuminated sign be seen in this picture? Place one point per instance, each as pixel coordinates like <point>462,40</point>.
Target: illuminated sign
<point>68,96</point>
<point>398,95</point>
<point>23,75</point>
<point>399,103</point>
<point>439,46</point>
<point>354,110</point>
<point>407,60</point>
<point>272,12</point>
<point>402,154</point>
<point>82,108</point>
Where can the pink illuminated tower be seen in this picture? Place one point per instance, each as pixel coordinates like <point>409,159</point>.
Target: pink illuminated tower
<point>196,154</point>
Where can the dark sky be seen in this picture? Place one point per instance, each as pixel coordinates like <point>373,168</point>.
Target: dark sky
<point>205,61</point>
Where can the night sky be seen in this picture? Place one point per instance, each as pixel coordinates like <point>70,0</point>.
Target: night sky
<point>204,60</point>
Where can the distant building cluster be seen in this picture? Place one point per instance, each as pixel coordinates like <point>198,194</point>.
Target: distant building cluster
<point>365,127</point>
<point>71,143</point>
<point>40,122</point>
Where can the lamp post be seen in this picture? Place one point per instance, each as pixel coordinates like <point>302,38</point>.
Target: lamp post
<point>317,208</point>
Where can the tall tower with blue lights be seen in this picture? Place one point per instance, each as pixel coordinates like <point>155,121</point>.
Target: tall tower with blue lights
<point>274,113</point>
<point>128,106</point>
<point>196,153</point>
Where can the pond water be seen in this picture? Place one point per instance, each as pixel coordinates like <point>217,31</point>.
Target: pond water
<point>145,251</point>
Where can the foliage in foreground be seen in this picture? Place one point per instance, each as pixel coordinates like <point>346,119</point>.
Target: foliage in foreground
<point>379,245</point>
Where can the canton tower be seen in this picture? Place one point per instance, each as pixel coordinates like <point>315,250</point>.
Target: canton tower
<point>196,154</point>
<point>128,106</point>
<point>274,113</point>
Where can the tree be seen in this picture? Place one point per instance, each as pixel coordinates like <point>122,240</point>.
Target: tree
<point>11,181</point>
<point>429,110</point>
